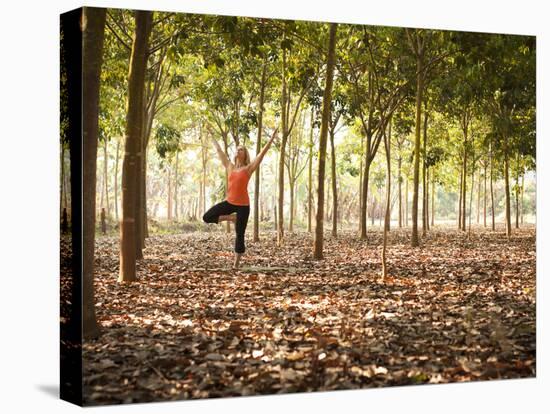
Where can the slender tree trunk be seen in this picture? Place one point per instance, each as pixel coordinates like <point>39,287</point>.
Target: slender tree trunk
<point>433,199</point>
<point>517,192</point>
<point>388,187</point>
<point>176,187</point>
<point>204,156</point>
<point>471,194</point>
<point>280,221</point>
<point>360,186</point>
<point>291,183</point>
<point>169,204</point>
<point>419,96</point>
<point>63,195</point>
<point>144,221</point>
<point>203,198</point>
<point>101,192</point>
<point>406,201</point>
<point>106,180</point>
<point>507,190</point>
<point>387,142</point>
<point>491,188</point>
<point>275,217</point>
<point>400,184</point>
<point>103,223</point>
<point>478,195</point>
<point>116,178</point>
<point>427,198</point>
<point>521,200</point>
<point>92,26</point>
<point>424,173</point>
<point>310,174</point>
<point>327,200</point>
<point>464,179</point>
<point>256,235</point>
<point>133,135</point>
<point>334,189</point>
<point>460,197</point>
<point>318,242</point>
<point>485,194</point>
<point>365,192</point>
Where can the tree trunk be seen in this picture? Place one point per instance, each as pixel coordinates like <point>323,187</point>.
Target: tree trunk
<point>460,197</point>
<point>491,187</point>
<point>387,142</point>
<point>284,120</point>
<point>176,188</point>
<point>426,213</point>
<point>204,162</point>
<point>291,183</point>
<point>365,192</point>
<point>521,199</point>
<point>334,189</point>
<point>424,172</point>
<point>106,179</point>
<point>419,95</point>
<point>464,178</point>
<point>116,179</point>
<point>360,204</point>
<point>471,193</point>
<point>517,192</point>
<point>478,195</point>
<point>400,182</point>
<point>101,192</point>
<point>103,223</point>
<point>169,204</point>
<point>406,202</point>
<point>144,222</point>
<point>310,174</point>
<point>485,194</point>
<point>318,242</point>
<point>433,198</point>
<point>93,25</point>
<point>133,135</point>
<point>388,188</point>
<point>507,190</point>
<point>256,236</point>
<point>63,195</point>
<point>140,186</point>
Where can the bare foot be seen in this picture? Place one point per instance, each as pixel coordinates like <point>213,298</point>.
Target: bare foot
<point>229,217</point>
<point>236,263</point>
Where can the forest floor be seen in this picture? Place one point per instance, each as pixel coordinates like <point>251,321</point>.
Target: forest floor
<point>457,309</point>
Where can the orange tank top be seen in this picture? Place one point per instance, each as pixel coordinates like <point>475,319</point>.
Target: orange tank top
<point>237,191</point>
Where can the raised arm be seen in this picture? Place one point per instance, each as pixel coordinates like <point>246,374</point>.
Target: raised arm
<point>225,161</point>
<point>254,164</point>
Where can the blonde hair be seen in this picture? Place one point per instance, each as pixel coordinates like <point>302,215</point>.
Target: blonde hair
<point>246,156</point>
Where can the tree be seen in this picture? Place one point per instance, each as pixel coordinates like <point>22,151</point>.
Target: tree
<point>301,63</point>
<point>376,87</point>
<point>318,241</point>
<point>133,137</point>
<point>387,147</point>
<point>423,45</point>
<point>513,86</point>
<point>92,47</point>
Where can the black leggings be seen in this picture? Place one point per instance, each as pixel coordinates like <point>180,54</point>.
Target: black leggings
<point>224,208</point>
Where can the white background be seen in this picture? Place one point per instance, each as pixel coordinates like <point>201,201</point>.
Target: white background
<point>29,368</point>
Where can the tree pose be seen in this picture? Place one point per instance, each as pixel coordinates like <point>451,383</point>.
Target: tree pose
<point>236,206</point>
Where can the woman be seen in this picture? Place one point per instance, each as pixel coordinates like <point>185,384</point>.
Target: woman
<point>237,200</point>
